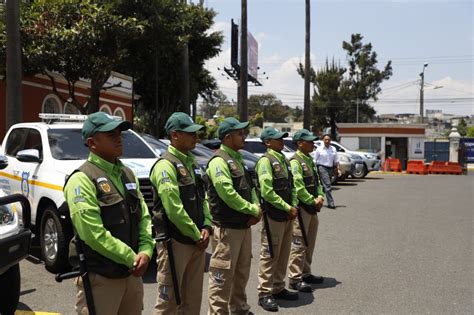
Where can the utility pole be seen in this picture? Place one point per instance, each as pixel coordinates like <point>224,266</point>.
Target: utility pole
<point>357,111</point>
<point>243,91</point>
<point>422,84</point>
<point>307,63</point>
<point>185,74</point>
<point>14,106</point>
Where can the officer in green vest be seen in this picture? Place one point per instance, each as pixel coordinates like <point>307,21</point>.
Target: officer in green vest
<point>278,200</point>
<point>235,208</point>
<point>111,218</point>
<point>310,195</point>
<point>181,216</point>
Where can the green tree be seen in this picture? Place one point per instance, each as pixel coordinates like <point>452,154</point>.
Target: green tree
<point>327,99</point>
<point>78,40</point>
<point>272,108</point>
<point>470,132</point>
<point>297,113</point>
<point>364,79</point>
<point>211,103</point>
<point>229,110</point>
<point>338,90</point>
<point>462,127</point>
<point>156,62</point>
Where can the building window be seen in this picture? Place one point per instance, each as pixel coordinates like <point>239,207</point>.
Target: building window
<point>370,144</point>
<point>71,109</point>
<point>106,109</point>
<point>119,112</point>
<point>51,105</point>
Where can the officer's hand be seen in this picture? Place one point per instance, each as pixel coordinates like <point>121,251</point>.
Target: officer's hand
<point>293,213</point>
<point>260,213</point>
<point>318,201</point>
<point>140,265</point>
<point>204,241</point>
<point>252,221</point>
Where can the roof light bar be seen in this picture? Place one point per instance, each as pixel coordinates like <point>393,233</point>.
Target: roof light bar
<point>68,117</point>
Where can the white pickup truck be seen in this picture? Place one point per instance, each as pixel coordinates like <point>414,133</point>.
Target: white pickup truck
<point>40,157</point>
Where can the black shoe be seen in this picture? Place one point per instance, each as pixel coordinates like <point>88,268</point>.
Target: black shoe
<point>332,207</point>
<point>286,295</point>
<point>301,287</point>
<point>268,303</point>
<point>313,279</point>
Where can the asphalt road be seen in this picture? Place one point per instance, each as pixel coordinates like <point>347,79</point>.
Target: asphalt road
<point>396,244</point>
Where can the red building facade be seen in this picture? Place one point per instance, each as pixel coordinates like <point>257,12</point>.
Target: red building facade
<point>38,97</point>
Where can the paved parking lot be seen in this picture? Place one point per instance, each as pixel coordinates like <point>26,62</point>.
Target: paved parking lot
<point>396,244</point>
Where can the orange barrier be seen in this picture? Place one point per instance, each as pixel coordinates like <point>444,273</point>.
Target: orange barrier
<point>440,167</point>
<point>437,167</point>
<point>417,167</point>
<point>453,168</point>
<point>392,165</point>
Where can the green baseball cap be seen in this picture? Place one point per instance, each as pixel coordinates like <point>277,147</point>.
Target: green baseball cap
<point>229,124</point>
<point>102,122</point>
<point>304,134</point>
<point>272,133</point>
<point>181,122</point>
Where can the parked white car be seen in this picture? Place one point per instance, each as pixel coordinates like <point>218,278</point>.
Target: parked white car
<point>14,244</point>
<point>40,157</point>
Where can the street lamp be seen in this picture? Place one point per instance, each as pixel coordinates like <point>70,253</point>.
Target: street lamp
<point>422,75</point>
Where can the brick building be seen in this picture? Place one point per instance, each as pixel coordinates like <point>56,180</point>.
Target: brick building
<point>38,97</point>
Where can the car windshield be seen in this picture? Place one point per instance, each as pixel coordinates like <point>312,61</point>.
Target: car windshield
<point>290,144</point>
<point>67,144</point>
<point>249,156</point>
<point>202,150</point>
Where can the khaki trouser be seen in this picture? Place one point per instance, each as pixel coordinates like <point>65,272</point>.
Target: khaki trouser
<point>111,296</point>
<point>300,255</point>
<point>229,270</point>
<point>271,271</point>
<point>189,263</point>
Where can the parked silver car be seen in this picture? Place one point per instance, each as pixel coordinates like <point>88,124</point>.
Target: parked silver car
<point>371,161</point>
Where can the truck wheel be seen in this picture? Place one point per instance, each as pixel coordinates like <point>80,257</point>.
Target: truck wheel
<point>10,288</point>
<point>54,244</point>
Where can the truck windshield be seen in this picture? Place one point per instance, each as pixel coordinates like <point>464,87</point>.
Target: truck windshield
<point>67,144</point>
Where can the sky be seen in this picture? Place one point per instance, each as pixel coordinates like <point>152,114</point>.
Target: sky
<point>410,33</point>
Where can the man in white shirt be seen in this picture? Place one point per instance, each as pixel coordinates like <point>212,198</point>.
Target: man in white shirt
<point>326,160</point>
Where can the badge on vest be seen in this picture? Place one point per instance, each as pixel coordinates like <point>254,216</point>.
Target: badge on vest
<point>232,165</point>
<point>103,184</point>
<point>305,167</point>
<point>131,186</point>
<point>276,167</point>
<point>181,169</point>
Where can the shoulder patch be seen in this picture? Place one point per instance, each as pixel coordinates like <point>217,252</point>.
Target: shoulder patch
<point>164,177</point>
<point>218,171</point>
<point>77,195</point>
